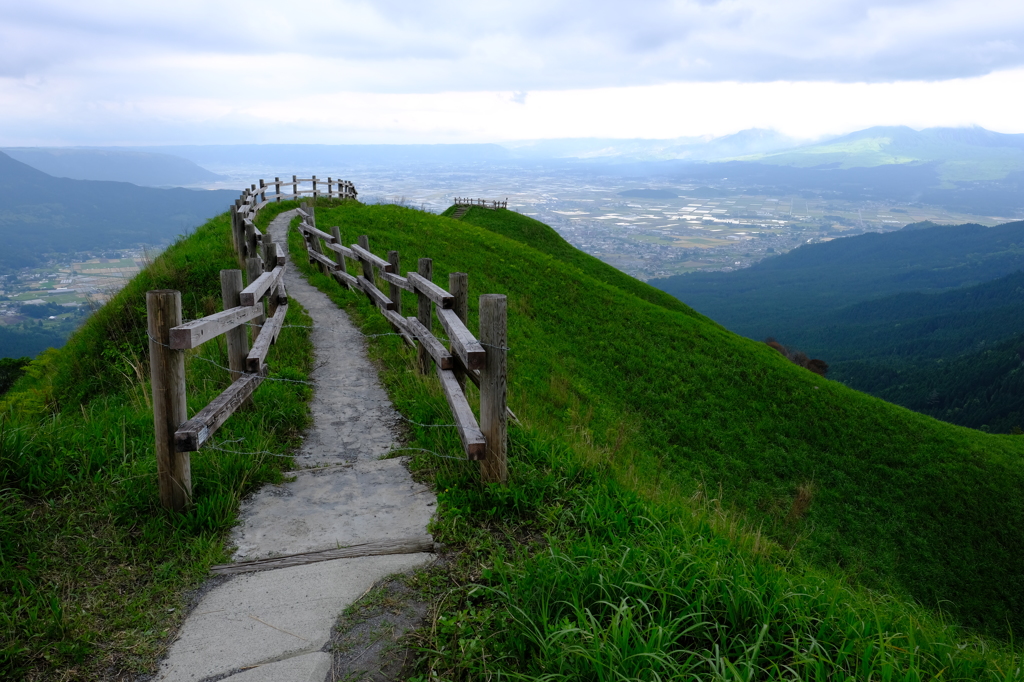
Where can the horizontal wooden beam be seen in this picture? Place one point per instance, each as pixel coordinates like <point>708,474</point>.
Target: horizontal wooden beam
<point>435,293</point>
<point>346,278</point>
<point>343,250</point>
<point>321,258</point>
<point>437,351</point>
<point>473,441</point>
<point>398,281</point>
<point>400,325</point>
<point>318,233</point>
<point>464,344</point>
<point>376,261</point>
<point>195,333</point>
<point>259,287</point>
<point>267,336</point>
<point>375,294</point>
<point>191,435</point>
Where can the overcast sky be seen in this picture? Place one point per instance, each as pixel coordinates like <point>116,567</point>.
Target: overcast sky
<point>108,72</point>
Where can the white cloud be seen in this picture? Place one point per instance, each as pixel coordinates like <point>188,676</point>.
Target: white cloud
<point>107,71</point>
<point>800,109</point>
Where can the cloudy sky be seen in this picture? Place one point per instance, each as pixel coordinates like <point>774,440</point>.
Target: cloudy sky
<point>108,72</point>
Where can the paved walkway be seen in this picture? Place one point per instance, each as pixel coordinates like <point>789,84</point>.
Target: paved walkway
<point>273,625</point>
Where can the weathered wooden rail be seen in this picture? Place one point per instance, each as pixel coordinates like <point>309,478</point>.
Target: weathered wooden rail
<point>264,303</point>
<point>244,231</point>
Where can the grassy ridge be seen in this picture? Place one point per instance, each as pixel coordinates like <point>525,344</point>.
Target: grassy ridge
<point>543,238</point>
<point>586,566</point>
<point>675,404</point>
<point>92,572</point>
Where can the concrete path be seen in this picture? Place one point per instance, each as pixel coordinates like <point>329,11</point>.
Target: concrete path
<point>274,625</point>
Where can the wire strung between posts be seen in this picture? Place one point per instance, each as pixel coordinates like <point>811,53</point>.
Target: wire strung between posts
<point>436,454</point>
<point>241,452</point>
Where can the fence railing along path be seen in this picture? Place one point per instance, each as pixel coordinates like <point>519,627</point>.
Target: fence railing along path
<point>483,361</point>
<point>265,302</point>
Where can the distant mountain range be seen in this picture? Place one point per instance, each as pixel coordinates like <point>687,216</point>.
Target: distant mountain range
<point>706,148</point>
<point>969,170</point>
<point>950,155</point>
<point>787,294</point>
<point>41,214</point>
<point>148,169</point>
<point>930,317</point>
<point>961,154</point>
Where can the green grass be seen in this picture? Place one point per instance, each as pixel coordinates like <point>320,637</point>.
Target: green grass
<point>682,502</point>
<point>634,414</point>
<point>93,573</point>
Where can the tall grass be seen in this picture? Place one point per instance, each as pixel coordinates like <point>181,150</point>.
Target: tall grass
<point>606,557</point>
<point>93,573</point>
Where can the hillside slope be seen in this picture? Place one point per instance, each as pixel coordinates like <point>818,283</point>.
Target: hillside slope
<point>788,294</point>
<point>983,389</point>
<point>899,500</point>
<point>115,165</point>
<point>43,214</point>
<point>616,551</point>
<point>94,574</point>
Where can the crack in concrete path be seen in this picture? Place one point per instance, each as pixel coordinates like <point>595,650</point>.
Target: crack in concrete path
<point>272,625</point>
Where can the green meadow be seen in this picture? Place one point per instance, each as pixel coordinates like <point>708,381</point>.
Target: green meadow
<point>683,502</point>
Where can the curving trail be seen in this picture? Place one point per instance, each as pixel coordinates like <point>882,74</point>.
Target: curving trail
<point>276,624</point>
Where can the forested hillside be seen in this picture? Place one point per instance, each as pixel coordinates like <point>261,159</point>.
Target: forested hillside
<point>41,214</point>
<point>788,294</point>
<point>900,315</point>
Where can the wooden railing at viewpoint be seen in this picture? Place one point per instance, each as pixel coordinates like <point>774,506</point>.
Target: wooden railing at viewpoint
<point>264,301</point>
<point>481,203</point>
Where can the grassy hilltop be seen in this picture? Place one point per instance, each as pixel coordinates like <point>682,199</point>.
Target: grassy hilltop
<point>682,501</point>
<point>638,411</point>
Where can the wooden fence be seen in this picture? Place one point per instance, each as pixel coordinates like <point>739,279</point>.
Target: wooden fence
<point>481,203</point>
<point>483,361</point>
<point>265,302</point>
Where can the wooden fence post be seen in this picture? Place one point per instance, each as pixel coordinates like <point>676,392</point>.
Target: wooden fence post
<point>458,286</point>
<point>266,246</point>
<point>277,188</point>
<point>336,233</point>
<point>424,314</point>
<point>167,374</point>
<point>493,387</point>
<point>270,262</point>
<point>364,242</point>
<point>253,271</point>
<point>239,228</point>
<point>250,239</point>
<point>295,187</point>
<point>233,213</point>
<point>237,339</point>
<point>394,293</point>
